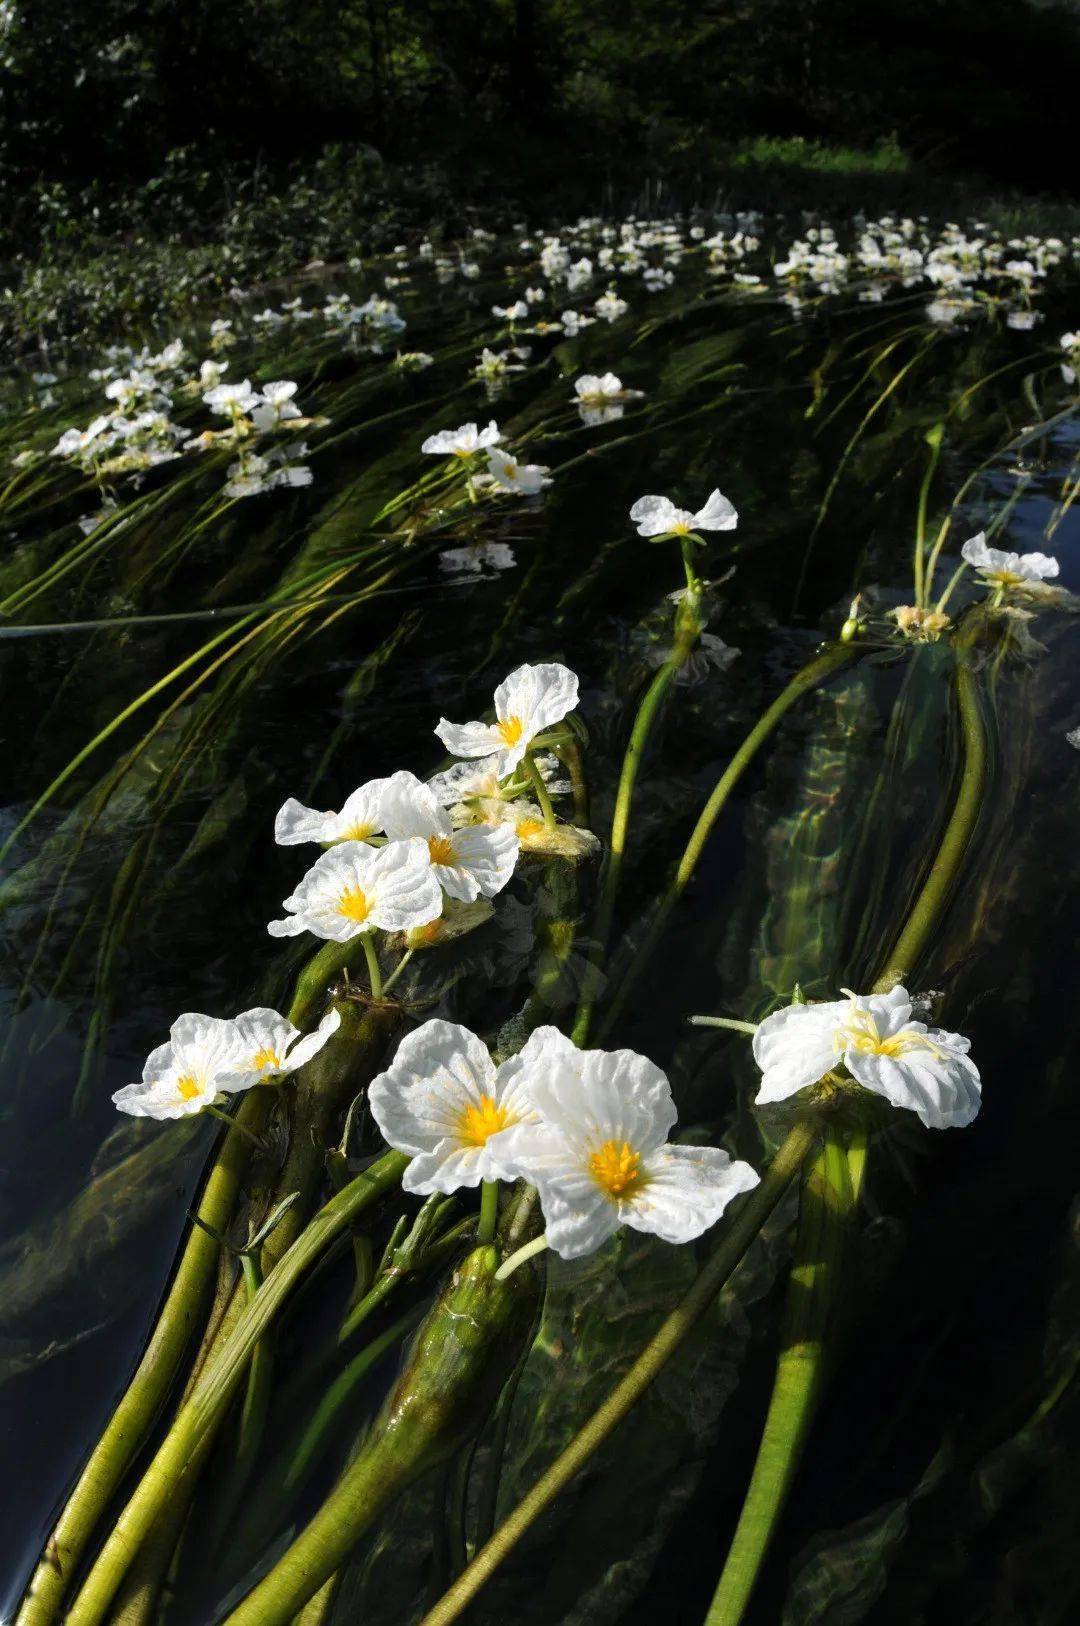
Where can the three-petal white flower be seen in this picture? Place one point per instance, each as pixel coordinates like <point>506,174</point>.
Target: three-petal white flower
<point>355,888</point>
<point>1003,569</point>
<point>658,516</point>
<point>463,442</point>
<point>443,1101</point>
<point>359,818</point>
<point>476,861</point>
<point>271,1047</point>
<point>520,479</point>
<point>527,702</point>
<point>595,1145</point>
<point>924,1070</point>
<point>186,1073</point>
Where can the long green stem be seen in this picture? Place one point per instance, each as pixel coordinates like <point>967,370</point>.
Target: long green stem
<point>807,678</point>
<point>933,439</point>
<point>659,1350</point>
<point>540,789</point>
<point>489,1211</point>
<point>823,1216</point>
<point>372,958</point>
<point>218,1385</point>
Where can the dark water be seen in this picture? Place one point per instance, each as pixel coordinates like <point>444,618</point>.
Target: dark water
<point>941,1481</point>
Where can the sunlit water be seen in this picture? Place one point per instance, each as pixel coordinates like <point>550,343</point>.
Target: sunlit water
<point>939,1485</point>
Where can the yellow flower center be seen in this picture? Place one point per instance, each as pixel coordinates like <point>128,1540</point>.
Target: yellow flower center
<point>357,832</point>
<point>863,1034</point>
<point>617,1168</point>
<point>354,904</point>
<point>511,730</point>
<point>188,1087</point>
<point>529,829</point>
<point>441,849</point>
<point>1004,578</point>
<point>477,1123</point>
<point>265,1061</point>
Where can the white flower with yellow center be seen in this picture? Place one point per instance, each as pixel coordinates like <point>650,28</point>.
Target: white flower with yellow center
<point>469,863</point>
<point>271,1046</point>
<point>463,442</point>
<point>520,479</point>
<point>530,700</point>
<point>443,1102</point>
<point>359,818</point>
<point>1007,570</point>
<point>600,397</point>
<point>924,1070</point>
<point>658,516</point>
<point>355,888</point>
<point>597,1150</point>
<point>187,1073</point>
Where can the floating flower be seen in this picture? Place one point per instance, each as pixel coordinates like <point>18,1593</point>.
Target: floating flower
<point>596,1148</point>
<point>355,888</point>
<point>1007,570</point>
<point>271,1046</point>
<point>188,1072</point>
<point>443,1101</point>
<point>924,1070</point>
<point>600,399</point>
<point>463,442</point>
<point>472,862</point>
<point>530,700</point>
<point>360,817</point>
<point>523,479</point>
<point>659,517</point>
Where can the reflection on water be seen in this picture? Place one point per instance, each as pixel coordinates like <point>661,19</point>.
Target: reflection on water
<point>940,1464</point>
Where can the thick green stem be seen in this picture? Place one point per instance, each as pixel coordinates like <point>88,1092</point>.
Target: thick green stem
<point>541,790</point>
<point>374,973</point>
<point>489,1211</point>
<point>181,1316</point>
<point>808,677</point>
<point>756,1209</point>
<point>165,1477</point>
<point>823,1216</point>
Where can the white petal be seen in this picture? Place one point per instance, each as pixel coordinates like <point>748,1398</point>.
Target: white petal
<point>685,1191</point>
<point>296,823</point>
<point>310,1045</point>
<point>409,808</point>
<point>795,1047</point>
<point>655,515</point>
<point>402,887</point>
<point>471,739</point>
<point>439,1070</point>
<point>941,1085</point>
<point>601,1095</point>
<point>487,853</point>
<point>717,515</point>
<point>538,696</point>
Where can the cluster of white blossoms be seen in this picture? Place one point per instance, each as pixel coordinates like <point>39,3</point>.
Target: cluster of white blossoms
<point>588,1128</point>
<point>399,848</point>
<point>207,1057</point>
<point>504,472</point>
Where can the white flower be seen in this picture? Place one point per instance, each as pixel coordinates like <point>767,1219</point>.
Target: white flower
<point>443,1101</point>
<point>925,1070</point>
<point>270,1046</point>
<point>658,516</point>
<point>512,313</point>
<point>1007,569</point>
<point>1073,738</point>
<point>609,307</point>
<point>473,862</point>
<point>276,406</point>
<point>523,479</point>
<point>227,400</point>
<point>355,888</point>
<point>463,442</point>
<point>187,1073</point>
<point>600,398</point>
<point>527,702</point>
<point>360,817</point>
<point>597,1149</point>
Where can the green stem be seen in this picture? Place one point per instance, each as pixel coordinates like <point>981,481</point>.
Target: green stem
<point>756,1209</point>
<point>823,1216</point>
<point>372,958</point>
<point>540,789</point>
<point>489,1211</point>
<point>219,1383</point>
<point>807,678</point>
<point>398,969</point>
<point>933,439</point>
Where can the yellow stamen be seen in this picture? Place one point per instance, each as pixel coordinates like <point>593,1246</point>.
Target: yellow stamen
<point>528,829</point>
<point>441,849</point>
<point>863,1034</point>
<point>477,1123</point>
<point>265,1061</point>
<point>354,904</point>
<point>511,730</point>
<point>617,1168</point>
<point>358,832</point>
<point>188,1087</point>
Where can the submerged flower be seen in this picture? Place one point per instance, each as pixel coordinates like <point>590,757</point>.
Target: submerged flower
<point>355,888</point>
<point>476,861</point>
<point>1005,570</point>
<point>463,442</point>
<point>596,1148</point>
<point>360,817</point>
<point>921,626</point>
<point>523,479</point>
<point>443,1101</point>
<point>271,1047</point>
<point>527,702</point>
<point>659,517</point>
<point>925,1070</point>
<point>188,1072</point>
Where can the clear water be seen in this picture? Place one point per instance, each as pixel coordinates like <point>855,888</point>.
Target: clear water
<point>940,1484</point>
